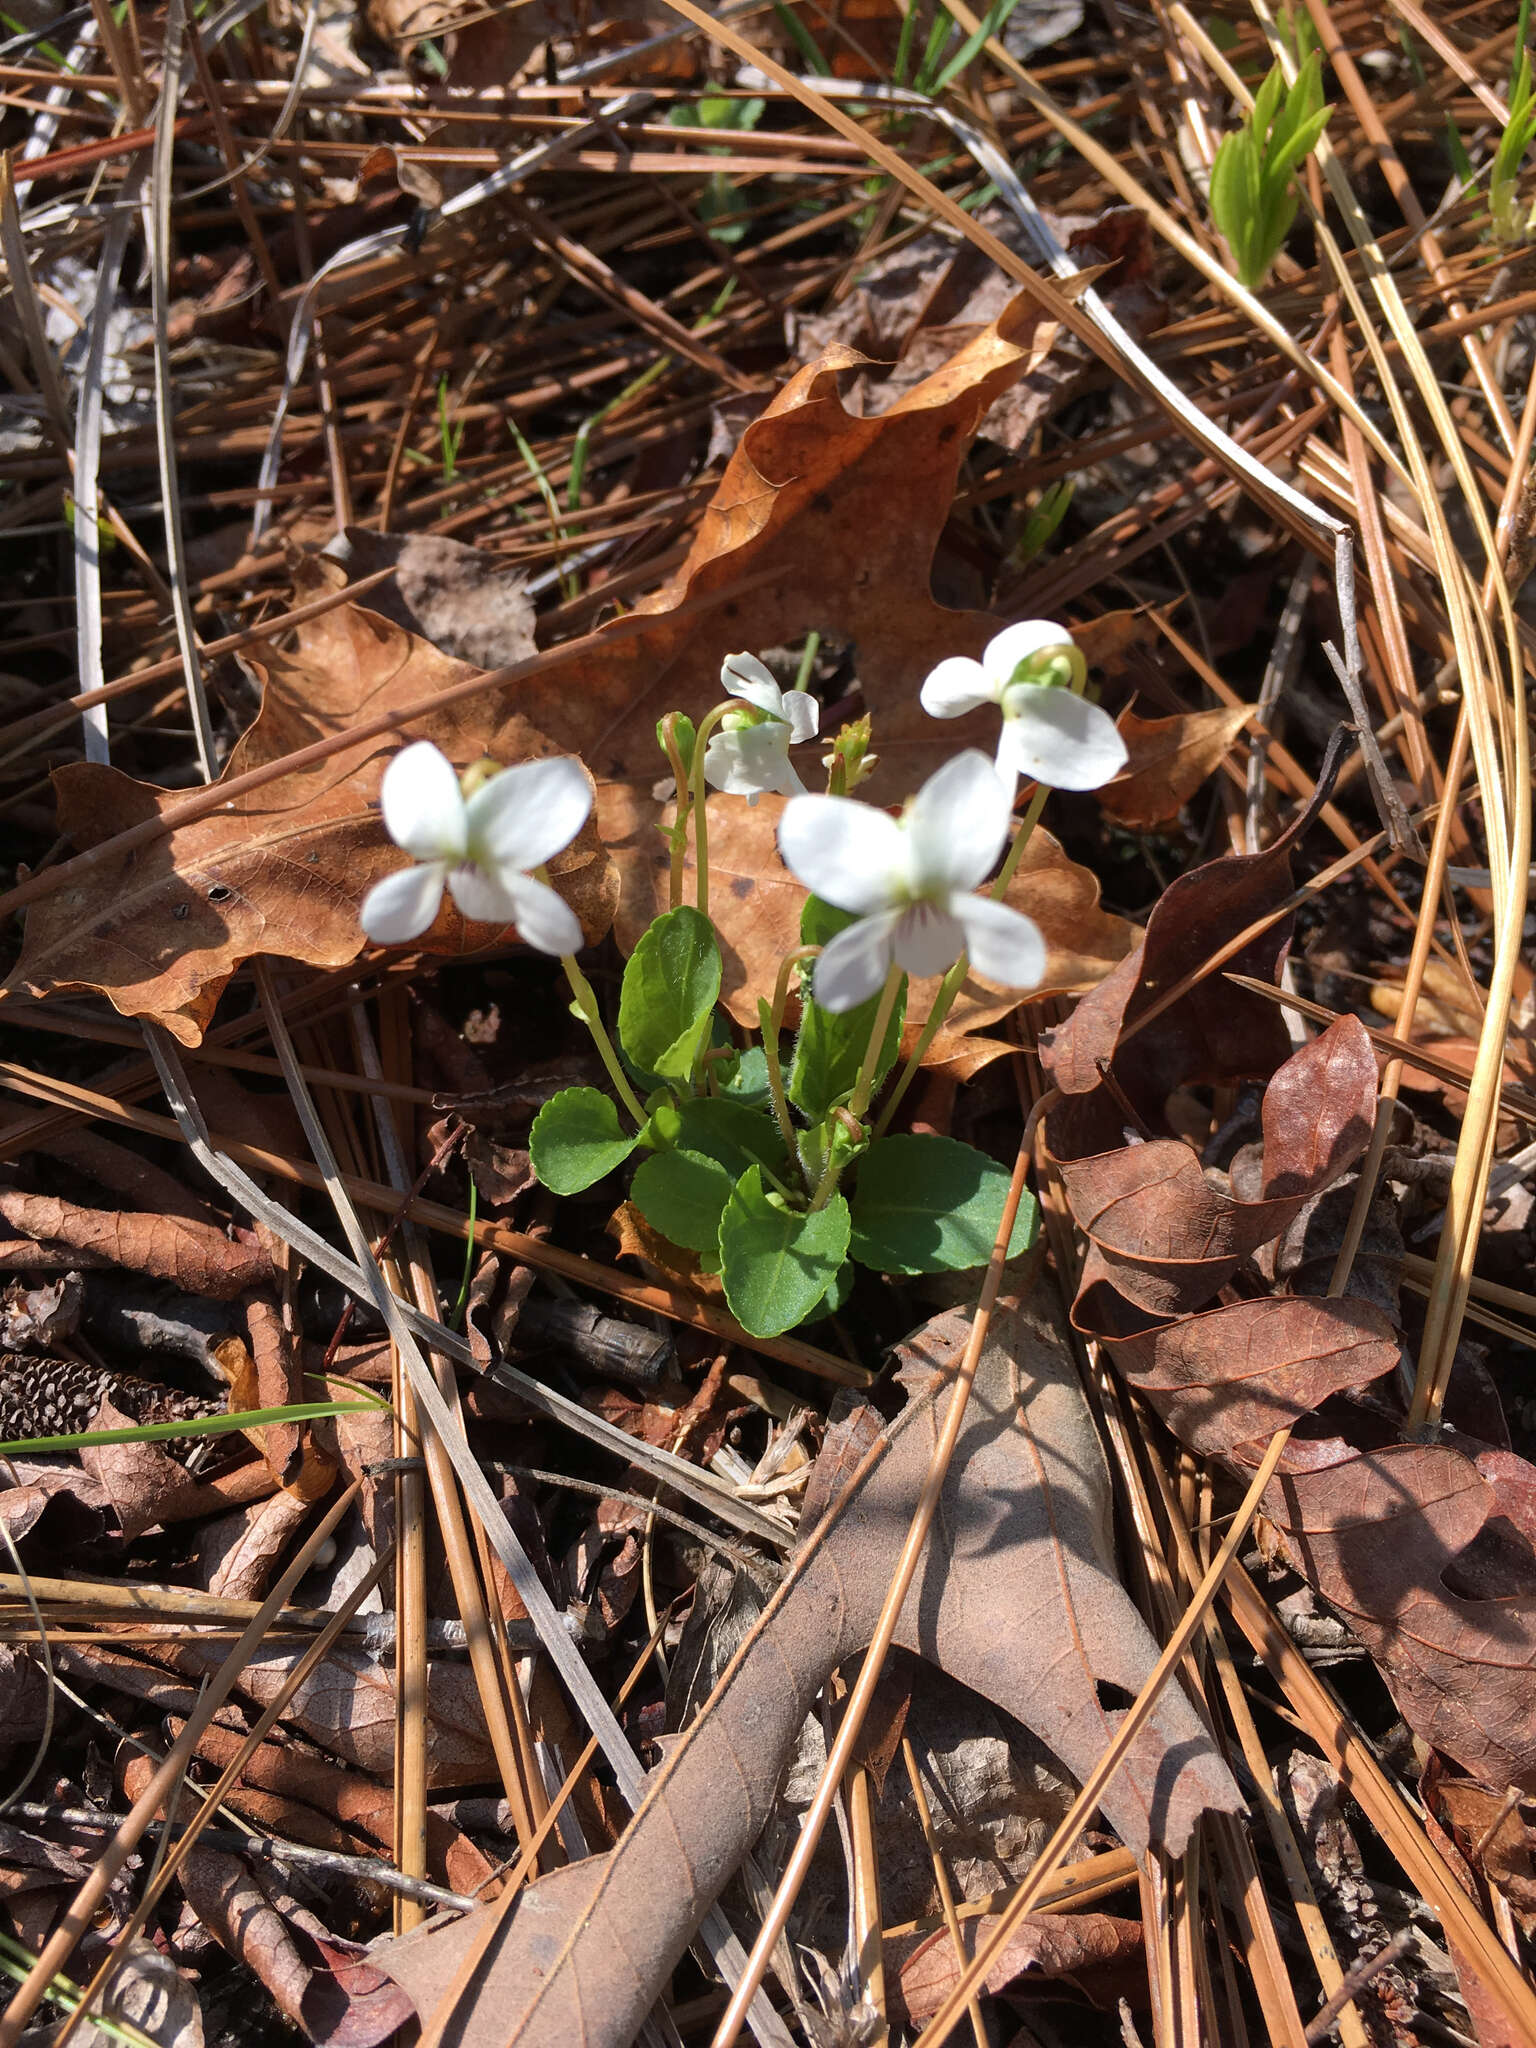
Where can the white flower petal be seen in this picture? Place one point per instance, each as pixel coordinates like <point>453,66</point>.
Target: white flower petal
<point>403,905</point>
<point>751,760</point>
<point>956,686</point>
<point>744,676</point>
<point>422,803</point>
<point>846,852</point>
<point>1061,740</point>
<point>1017,643</point>
<point>543,919</point>
<point>804,715</point>
<point>927,939</point>
<point>527,814</point>
<point>853,966</point>
<point>482,898</point>
<point>1004,945</point>
<point>956,825</point>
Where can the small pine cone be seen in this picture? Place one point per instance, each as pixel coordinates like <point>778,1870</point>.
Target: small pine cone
<point>41,1396</point>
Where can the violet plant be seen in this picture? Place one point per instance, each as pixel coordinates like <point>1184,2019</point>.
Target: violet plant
<point>772,1163</point>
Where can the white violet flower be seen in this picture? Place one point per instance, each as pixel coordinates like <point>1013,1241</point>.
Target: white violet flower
<point>908,881</point>
<point>480,847</point>
<point>750,751</point>
<point>1049,733</point>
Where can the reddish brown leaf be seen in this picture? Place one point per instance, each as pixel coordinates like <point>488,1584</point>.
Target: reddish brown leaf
<point>347,1707</point>
<point>1167,1238</point>
<point>1214,1033</point>
<point>1093,1952</point>
<point>1239,1373</point>
<point>312,1784</point>
<point>1016,1596</point>
<point>1378,1533</point>
<point>1168,759</point>
<point>196,1256</point>
<point>330,1989</point>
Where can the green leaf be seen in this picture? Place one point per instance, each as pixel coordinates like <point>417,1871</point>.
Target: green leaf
<point>731,1133</point>
<point>777,1263</point>
<point>837,1294</point>
<point>576,1139</point>
<point>830,1047</point>
<point>671,985</point>
<point>681,1194</point>
<point>749,1083</point>
<point>932,1205</point>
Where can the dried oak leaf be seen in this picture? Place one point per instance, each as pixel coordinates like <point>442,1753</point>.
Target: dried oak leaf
<point>1096,1953</point>
<point>1016,1596</point>
<point>347,1707</point>
<point>314,1784</point>
<point>756,903</point>
<point>1168,759</point>
<point>160,930</point>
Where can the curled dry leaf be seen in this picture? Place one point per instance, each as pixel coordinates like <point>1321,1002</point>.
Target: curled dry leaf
<point>1096,1953</point>
<point>160,929</point>
<point>755,903</point>
<point>1167,1239</point>
<point>146,1486</point>
<point>1016,1596</point>
<point>1168,759</point>
<point>195,1256</point>
<point>308,1782</point>
<point>329,1988</point>
<point>1429,1550</point>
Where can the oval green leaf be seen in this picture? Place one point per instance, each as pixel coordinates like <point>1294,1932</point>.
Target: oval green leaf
<point>933,1205</point>
<point>776,1262</point>
<point>682,1194</point>
<point>671,986</point>
<point>576,1139</point>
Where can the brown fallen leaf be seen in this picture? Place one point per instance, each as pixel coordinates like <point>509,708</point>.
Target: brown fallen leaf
<point>1239,1373</point>
<point>329,1988</point>
<point>1096,1953</point>
<point>1386,1535</point>
<point>271,1375</point>
<point>756,903</point>
<point>297,1776</point>
<point>147,1487</point>
<point>1168,1240</point>
<point>1214,1033</point>
<point>1168,759</point>
<point>346,1706</point>
<point>1428,1550</point>
<point>197,1257</point>
<point>160,929</point>
<point>238,1557</point>
<point>1016,1597</point>
<point>471,604</point>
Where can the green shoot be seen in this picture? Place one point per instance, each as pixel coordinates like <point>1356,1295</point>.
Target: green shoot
<point>204,1425</point>
<point>1511,221</point>
<point>450,435</point>
<point>991,24</point>
<point>803,40</point>
<point>1043,520</point>
<point>1253,200</point>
